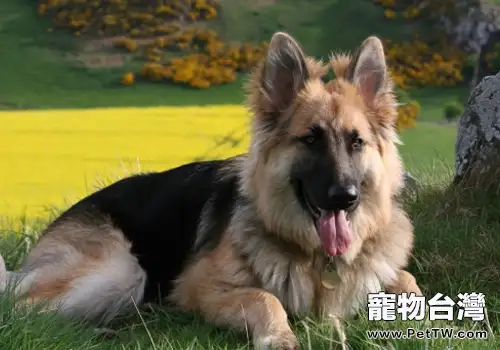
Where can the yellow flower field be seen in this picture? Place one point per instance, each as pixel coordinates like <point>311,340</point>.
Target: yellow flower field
<point>55,157</point>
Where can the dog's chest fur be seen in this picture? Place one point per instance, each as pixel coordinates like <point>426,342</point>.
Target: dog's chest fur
<point>297,283</point>
<point>295,279</point>
<point>292,279</point>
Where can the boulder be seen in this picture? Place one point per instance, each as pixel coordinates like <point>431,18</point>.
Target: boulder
<point>477,149</point>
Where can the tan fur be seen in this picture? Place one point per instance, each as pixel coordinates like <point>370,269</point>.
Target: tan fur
<point>317,69</point>
<point>340,63</point>
<point>406,282</point>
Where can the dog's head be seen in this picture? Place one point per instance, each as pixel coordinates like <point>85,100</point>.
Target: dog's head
<point>322,152</point>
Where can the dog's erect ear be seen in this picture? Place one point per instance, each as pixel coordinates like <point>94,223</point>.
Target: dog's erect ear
<point>284,72</point>
<point>368,69</point>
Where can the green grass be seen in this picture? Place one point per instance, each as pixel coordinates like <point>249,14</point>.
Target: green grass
<point>320,26</point>
<point>433,100</point>
<point>429,148</point>
<point>457,250</point>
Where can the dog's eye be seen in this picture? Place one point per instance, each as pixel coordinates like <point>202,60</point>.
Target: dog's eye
<point>357,141</point>
<point>308,139</point>
<point>312,137</point>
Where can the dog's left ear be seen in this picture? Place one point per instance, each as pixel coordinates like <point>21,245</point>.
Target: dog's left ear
<point>368,69</point>
<point>284,72</point>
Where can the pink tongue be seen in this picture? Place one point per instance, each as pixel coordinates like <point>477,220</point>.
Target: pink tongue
<point>334,232</point>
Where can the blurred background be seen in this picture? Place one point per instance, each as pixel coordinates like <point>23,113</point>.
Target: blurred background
<point>93,90</point>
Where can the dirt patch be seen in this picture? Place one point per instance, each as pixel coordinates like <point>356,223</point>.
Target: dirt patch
<point>259,3</point>
<point>98,60</point>
<point>95,45</point>
<point>107,44</point>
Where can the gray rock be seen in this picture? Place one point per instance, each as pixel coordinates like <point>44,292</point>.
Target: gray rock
<point>472,23</point>
<point>477,148</point>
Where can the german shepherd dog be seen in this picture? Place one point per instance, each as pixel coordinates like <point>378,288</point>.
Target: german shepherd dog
<point>305,223</point>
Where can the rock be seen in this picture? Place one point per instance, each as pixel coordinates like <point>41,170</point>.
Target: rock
<point>471,23</point>
<point>477,149</point>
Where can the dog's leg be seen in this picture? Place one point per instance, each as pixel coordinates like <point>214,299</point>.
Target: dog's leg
<point>252,309</point>
<point>256,310</point>
<point>219,287</point>
<point>406,282</point>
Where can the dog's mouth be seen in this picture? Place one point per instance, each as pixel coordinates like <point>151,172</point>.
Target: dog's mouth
<point>333,227</point>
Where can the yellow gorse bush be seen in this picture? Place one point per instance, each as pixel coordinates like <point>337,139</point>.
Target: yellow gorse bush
<point>139,18</point>
<point>389,13</point>
<point>128,78</point>
<point>407,115</point>
<point>126,43</point>
<point>203,60</point>
<point>417,62</point>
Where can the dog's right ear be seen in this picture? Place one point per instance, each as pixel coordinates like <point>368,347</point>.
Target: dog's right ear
<point>284,72</point>
<point>368,69</point>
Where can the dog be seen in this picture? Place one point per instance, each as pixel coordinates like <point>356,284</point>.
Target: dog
<point>307,222</point>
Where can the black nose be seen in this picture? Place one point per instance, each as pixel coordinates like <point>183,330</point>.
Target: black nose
<point>342,197</point>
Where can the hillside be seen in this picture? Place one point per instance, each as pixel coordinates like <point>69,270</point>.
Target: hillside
<point>39,69</point>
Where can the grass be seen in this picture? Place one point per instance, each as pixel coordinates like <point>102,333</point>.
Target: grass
<point>457,250</point>
<point>319,25</point>
<point>429,149</point>
<point>433,100</point>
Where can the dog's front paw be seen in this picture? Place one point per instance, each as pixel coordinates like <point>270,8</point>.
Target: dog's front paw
<point>277,341</point>
<point>406,283</point>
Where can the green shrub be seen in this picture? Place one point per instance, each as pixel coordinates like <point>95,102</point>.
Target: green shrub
<point>468,67</point>
<point>453,110</point>
<point>402,95</point>
<point>492,59</point>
